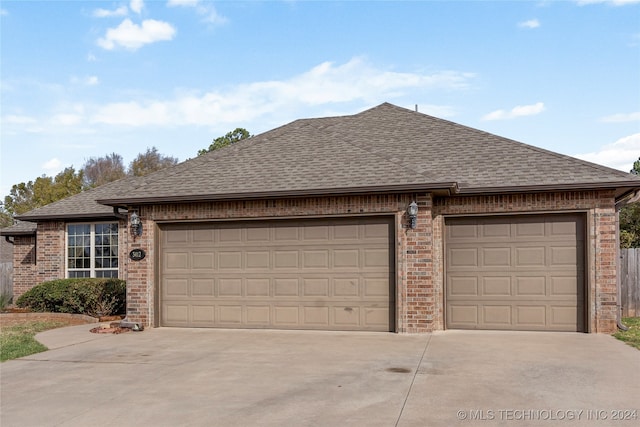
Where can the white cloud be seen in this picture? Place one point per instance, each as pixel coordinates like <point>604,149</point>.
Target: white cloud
<point>18,120</point>
<point>136,6</point>
<point>325,84</point>
<point>208,12</point>
<point>619,118</point>
<point>105,13</point>
<point>52,165</point>
<point>531,23</point>
<point>133,114</point>
<point>91,57</point>
<point>619,155</point>
<point>132,36</point>
<point>66,119</point>
<point>612,2</point>
<point>187,3</point>
<point>519,111</point>
<point>87,81</point>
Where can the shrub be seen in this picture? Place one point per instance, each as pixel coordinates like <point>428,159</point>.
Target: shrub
<point>95,297</point>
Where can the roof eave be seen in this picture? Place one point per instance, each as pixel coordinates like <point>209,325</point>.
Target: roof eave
<point>447,188</point>
<point>74,216</point>
<point>621,187</point>
<point>18,233</point>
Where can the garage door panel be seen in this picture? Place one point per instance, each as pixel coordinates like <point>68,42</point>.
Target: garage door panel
<point>286,259</point>
<point>346,287</point>
<point>530,257</point>
<point>346,258</point>
<point>463,257</point>
<point>177,314</point>
<point>529,274</point>
<point>564,256</point>
<point>203,260</point>
<point>534,316</point>
<point>258,287</point>
<point>316,287</point>
<point>229,260</point>
<point>315,274</point>
<point>495,286</point>
<point>526,230</point>
<point>176,260</point>
<point>495,230</point>
<point>495,257</point>
<point>462,315</point>
<point>202,287</point>
<point>565,286</point>
<point>313,259</point>
<point>202,314</point>
<point>176,288</point>
<point>496,316</point>
<point>530,286</point>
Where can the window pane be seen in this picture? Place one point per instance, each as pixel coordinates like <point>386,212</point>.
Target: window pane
<point>81,261</point>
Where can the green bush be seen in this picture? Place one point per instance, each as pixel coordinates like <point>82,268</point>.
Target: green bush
<point>95,297</point>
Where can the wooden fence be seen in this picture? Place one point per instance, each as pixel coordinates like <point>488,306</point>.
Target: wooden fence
<point>630,282</point>
<point>6,278</point>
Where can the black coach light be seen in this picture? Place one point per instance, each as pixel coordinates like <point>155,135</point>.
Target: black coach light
<point>136,224</point>
<point>412,211</point>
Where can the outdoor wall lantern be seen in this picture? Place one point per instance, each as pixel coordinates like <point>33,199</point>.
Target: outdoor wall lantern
<point>136,224</point>
<point>412,211</point>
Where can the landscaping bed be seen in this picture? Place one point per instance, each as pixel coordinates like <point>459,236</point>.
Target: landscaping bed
<point>64,319</point>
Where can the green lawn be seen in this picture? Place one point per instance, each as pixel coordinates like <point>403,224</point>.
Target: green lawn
<point>632,336</point>
<point>18,340</point>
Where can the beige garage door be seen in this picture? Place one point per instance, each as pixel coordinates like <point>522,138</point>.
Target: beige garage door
<point>515,272</point>
<point>310,274</point>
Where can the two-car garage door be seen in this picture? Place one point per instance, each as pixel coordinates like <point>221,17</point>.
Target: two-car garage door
<point>518,272</point>
<point>330,274</point>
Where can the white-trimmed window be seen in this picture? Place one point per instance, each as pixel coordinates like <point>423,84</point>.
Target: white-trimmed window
<point>92,250</point>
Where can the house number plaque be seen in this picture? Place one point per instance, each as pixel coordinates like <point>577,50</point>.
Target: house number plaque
<point>137,254</point>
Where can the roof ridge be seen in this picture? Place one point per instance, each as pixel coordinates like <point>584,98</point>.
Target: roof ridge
<point>378,153</point>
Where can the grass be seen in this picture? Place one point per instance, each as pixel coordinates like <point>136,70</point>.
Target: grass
<point>19,340</point>
<point>632,336</point>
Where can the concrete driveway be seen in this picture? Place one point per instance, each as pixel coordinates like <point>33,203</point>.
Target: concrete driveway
<point>200,377</point>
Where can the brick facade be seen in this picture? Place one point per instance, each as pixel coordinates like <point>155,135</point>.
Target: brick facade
<point>418,252</point>
<point>42,258</point>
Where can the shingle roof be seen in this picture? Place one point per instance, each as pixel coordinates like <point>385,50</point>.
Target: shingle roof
<point>386,148</point>
<point>22,228</point>
<point>82,205</point>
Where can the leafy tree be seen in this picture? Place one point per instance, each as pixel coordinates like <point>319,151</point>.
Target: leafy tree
<point>630,219</point>
<point>232,137</point>
<point>24,197</point>
<point>151,161</point>
<point>101,170</point>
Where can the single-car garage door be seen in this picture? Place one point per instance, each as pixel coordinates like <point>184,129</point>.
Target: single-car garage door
<point>519,272</point>
<point>333,274</point>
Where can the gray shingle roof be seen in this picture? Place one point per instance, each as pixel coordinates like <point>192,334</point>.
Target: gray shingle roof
<point>382,148</point>
<point>82,205</point>
<point>386,148</point>
<point>21,228</point>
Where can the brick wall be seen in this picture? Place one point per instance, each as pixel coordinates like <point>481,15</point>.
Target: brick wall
<point>40,259</point>
<point>24,264</point>
<point>419,252</point>
<point>411,308</point>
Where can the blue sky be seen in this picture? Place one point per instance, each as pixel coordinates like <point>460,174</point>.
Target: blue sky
<point>81,79</point>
